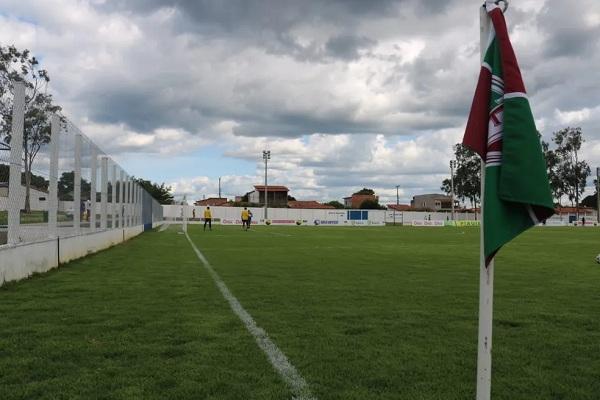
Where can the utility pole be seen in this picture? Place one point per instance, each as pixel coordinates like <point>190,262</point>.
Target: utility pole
<point>266,157</point>
<point>219,187</point>
<point>397,202</point>
<point>452,166</point>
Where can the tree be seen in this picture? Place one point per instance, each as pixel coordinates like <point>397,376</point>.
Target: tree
<point>371,205</point>
<point>16,65</point>
<point>335,204</point>
<point>571,170</point>
<point>467,175</point>
<point>365,191</point>
<point>291,198</point>
<point>552,163</point>
<point>66,187</point>
<point>161,193</point>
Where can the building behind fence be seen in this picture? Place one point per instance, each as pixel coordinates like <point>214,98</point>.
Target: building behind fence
<point>73,190</point>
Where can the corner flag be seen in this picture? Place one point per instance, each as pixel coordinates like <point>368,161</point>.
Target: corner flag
<point>502,131</point>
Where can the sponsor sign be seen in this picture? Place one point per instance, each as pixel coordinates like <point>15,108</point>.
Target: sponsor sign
<point>434,223</point>
<point>461,224</point>
<point>325,222</point>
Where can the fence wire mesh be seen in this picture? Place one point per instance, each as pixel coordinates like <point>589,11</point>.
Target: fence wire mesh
<point>58,183</point>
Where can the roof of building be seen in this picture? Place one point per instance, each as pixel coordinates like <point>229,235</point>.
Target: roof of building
<point>433,195</point>
<point>211,201</point>
<point>271,188</point>
<point>573,210</point>
<point>361,196</point>
<point>310,204</point>
<point>400,207</point>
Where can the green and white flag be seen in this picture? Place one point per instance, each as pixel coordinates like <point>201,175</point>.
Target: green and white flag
<point>502,131</point>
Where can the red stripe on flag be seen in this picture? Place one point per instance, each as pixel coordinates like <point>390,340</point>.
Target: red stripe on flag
<point>476,132</point>
<point>510,68</point>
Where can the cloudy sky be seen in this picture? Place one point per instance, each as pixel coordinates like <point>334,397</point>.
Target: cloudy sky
<point>345,93</point>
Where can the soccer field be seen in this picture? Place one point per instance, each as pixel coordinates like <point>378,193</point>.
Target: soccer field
<point>360,313</point>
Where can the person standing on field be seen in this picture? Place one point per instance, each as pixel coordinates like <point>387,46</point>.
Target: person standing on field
<point>208,218</point>
<point>245,216</point>
<point>249,219</point>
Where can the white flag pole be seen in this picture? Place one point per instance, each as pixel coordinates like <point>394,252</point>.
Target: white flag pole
<point>486,274</point>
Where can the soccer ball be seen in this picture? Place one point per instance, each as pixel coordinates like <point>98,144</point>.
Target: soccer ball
<point>298,222</point>
<point>268,222</point>
<point>598,258</point>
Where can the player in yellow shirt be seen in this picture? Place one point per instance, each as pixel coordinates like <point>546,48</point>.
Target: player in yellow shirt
<point>245,216</point>
<point>208,218</point>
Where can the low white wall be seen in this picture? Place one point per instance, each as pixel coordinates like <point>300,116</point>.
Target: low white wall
<point>321,217</point>
<point>22,260</point>
<point>18,262</point>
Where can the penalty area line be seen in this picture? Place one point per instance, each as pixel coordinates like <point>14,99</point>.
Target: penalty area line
<point>279,361</point>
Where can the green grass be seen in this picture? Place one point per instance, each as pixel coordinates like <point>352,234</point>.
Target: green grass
<point>362,313</point>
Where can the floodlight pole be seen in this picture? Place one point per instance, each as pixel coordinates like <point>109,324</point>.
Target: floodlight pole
<point>598,194</point>
<point>452,166</point>
<point>219,187</point>
<point>397,202</point>
<point>266,157</point>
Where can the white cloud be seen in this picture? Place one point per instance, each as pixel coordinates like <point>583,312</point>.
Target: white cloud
<point>344,94</point>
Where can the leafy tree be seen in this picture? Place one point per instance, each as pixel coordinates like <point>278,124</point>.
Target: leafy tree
<point>335,204</point>
<point>467,175</point>
<point>571,170</point>
<point>66,187</point>
<point>371,205</point>
<point>552,162</point>
<point>291,198</point>
<point>16,65</point>
<point>161,193</point>
<point>37,181</point>
<point>592,199</point>
<point>365,191</point>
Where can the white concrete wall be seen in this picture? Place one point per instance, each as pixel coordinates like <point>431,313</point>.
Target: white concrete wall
<point>21,261</point>
<point>289,216</point>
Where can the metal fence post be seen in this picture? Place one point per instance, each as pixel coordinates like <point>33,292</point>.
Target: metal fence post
<point>126,205</point>
<point>137,204</point>
<point>122,199</point>
<point>93,189</point>
<point>16,154</point>
<point>53,175</point>
<point>77,186</point>
<point>114,196</point>
<point>103,191</point>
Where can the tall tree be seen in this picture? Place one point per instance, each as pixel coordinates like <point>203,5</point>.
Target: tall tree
<point>16,65</point>
<point>572,170</point>
<point>467,176</point>
<point>161,193</point>
<point>552,164</point>
<point>66,187</point>
<point>365,191</point>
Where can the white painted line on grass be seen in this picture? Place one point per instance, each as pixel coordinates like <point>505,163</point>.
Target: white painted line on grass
<point>279,361</point>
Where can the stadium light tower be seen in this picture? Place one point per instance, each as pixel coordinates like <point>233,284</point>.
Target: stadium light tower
<point>266,157</point>
<point>452,166</point>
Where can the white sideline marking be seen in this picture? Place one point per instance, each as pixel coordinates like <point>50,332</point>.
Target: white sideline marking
<point>279,361</point>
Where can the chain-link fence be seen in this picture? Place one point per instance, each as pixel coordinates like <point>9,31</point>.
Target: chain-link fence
<point>55,182</point>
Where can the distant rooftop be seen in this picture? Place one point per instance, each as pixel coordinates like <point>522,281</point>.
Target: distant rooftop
<point>271,188</point>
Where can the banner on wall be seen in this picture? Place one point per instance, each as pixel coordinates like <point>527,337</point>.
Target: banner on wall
<point>434,223</point>
<point>462,224</point>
